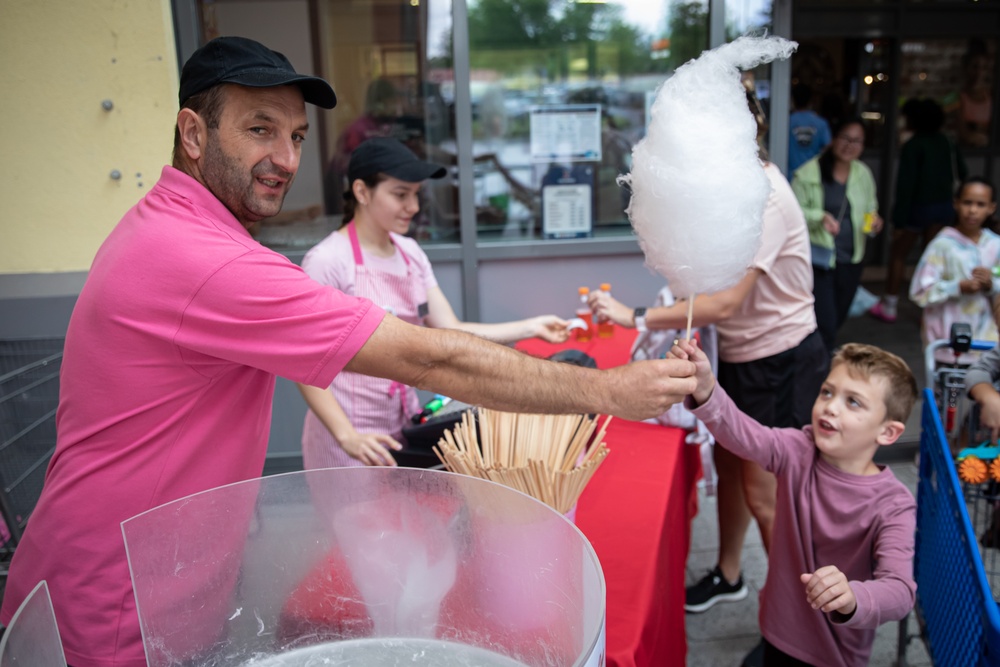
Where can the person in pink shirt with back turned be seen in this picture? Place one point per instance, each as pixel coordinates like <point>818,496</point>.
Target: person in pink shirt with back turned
<point>184,322</point>
<point>841,558</point>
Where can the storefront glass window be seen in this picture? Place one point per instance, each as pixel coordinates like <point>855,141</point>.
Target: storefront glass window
<point>753,17</point>
<point>560,94</point>
<point>747,16</point>
<point>390,62</point>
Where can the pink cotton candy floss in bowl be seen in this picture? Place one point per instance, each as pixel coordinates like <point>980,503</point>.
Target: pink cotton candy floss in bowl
<point>698,187</point>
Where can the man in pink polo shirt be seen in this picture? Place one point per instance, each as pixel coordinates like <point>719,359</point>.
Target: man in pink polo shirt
<point>183,324</point>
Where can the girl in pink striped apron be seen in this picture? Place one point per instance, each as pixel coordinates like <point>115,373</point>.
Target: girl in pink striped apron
<point>359,421</point>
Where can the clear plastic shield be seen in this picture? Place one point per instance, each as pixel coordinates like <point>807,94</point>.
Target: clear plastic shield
<point>32,637</point>
<point>364,566</point>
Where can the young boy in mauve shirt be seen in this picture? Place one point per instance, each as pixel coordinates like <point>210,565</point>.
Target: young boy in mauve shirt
<point>841,558</point>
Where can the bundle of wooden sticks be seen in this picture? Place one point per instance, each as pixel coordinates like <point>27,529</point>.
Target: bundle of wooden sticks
<point>544,456</point>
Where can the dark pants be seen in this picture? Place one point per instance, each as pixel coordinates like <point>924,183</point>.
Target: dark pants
<point>834,290</point>
<point>775,658</point>
<point>779,390</point>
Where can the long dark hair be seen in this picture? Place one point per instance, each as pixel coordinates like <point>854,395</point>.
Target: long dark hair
<point>826,158</point>
<point>351,202</point>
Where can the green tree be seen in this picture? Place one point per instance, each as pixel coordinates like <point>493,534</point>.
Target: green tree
<point>514,24</point>
<point>633,48</point>
<point>688,32</point>
<point>550,27</point>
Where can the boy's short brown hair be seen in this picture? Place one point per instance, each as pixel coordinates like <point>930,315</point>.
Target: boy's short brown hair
<point>866,361</point>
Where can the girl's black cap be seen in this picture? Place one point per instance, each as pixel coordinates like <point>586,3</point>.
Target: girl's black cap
<point>248,63</point>
<point>382,155</point>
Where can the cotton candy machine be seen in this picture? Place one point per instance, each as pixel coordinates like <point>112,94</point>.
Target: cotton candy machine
<point>365,566</point>
<point>32,637</point>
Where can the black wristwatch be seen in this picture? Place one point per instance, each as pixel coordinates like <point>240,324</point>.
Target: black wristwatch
<point>639,319</point>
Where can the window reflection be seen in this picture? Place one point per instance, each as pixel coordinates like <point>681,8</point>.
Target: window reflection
<point>745,16</point>
<point>753,17</point>
<point>390,64</point>
<point>532,58</point>
<point>958,74</point>
<point>391,67</point>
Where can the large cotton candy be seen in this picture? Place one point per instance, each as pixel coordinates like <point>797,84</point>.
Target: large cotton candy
<point>698,187</point>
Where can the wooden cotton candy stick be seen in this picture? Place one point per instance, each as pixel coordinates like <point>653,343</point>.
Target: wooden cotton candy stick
<point>690,314</point>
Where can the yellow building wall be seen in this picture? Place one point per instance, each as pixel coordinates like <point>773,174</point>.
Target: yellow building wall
<point>61,59</point>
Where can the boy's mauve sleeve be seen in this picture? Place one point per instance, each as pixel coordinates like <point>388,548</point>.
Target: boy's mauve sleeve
<point>743,435</point>
<point>890,594</point>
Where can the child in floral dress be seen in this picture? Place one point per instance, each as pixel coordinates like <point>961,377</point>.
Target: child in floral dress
<point>954,280</point>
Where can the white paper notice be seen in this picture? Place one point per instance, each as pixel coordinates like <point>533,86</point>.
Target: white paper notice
<point>569,132</point>
<point>566,210</point>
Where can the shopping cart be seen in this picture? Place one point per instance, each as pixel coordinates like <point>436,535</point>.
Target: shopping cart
<point>946,363</point>
<point>29,394</point>
<point>956,578</point>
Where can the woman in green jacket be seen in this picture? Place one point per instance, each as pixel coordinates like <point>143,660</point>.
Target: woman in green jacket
<point>837,194</point>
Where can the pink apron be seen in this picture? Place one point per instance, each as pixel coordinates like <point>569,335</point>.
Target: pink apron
<point>373,405</point>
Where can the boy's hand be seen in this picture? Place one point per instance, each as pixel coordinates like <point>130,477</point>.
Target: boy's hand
<point>688,349</point>
<point>827,590</point>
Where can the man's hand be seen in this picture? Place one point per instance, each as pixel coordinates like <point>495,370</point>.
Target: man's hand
<point>372,449</point>
<point>827,590</point>
<point>647,389</point>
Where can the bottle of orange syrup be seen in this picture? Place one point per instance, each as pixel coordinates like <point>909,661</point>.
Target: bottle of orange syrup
<point>583,312</point>
<point>605,327</point>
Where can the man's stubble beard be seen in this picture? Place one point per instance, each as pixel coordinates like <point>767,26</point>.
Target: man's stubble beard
<point>234,186</point>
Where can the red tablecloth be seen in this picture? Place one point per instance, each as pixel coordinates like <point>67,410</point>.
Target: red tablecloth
<point>636,513</point>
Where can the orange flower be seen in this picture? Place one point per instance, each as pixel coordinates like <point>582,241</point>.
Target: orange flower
<point>972,470</point>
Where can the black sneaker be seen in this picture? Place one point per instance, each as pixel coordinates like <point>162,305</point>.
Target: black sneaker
<point>711,589</point>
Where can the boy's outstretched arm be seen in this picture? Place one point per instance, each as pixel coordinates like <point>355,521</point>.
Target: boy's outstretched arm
<point>827,590</point>
<point>689,350</point>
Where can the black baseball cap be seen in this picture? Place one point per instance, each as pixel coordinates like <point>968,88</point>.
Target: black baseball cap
<point>382,155</point>
<point>248,63</point>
